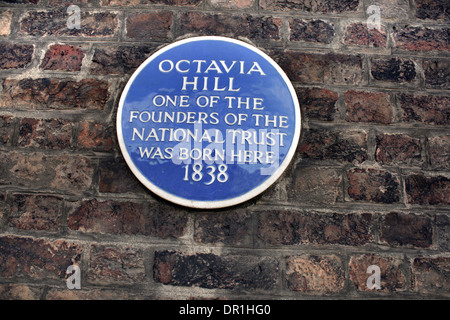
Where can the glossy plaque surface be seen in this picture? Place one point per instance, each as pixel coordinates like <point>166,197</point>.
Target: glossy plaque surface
<point>208,122</point>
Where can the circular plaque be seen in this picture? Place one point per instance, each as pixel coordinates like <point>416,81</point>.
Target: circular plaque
<point>208,122</point>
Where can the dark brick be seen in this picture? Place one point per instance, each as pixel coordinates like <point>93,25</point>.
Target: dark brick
<point>437,73</point>
<point>439,148</point>
<point>6,129</point>
<point>115,264</point>
<point>399,229</point>
<point>95,136</point>
<point>432,9</point>
<point>373,185</point>
<point>443,232</point>
<point>226,227</point>
<point>207,270</point>
<point>116,177</point>
<point>311,31</point>
<point>126,217</point>
<point>35,212</point>
<point>393,69</point>
<point>21,1</point>
<point>289,228</point>
<point>393,278</point>
<point>315,185</point>
<point>362,106</point>
<point>149,26</point>
<point>317,103</point>
<point>323,144</point>
<point>359,34</point>
<point>329,68</point>
<point>54,23</point>
<point>36,258</point>
<point>424,190</point>
<point>431,275</point>
<point>398,149</point>
<point>257,28</point>
<point>15,56</point>
<point>109,60</point>
<point>63,57</point>
<point>65,173</point>
<point>313,6</point>
<point>422,39</point>
<point>45,134</point>
<point>315,274</point>
<point>54,94</point>
<point>427,109</point>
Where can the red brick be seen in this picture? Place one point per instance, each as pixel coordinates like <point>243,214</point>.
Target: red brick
<point>231,227</point>
<point>315,186</point>
<point>329,68</point>
<point>314,6</point>
<point>432,9</point>
<point>317,103</point>
<point>45,134</point>
<point>392,276</point>
<point>54,23</point>
<point>280,227</point>
<point>95,136</point>
<point>252,27</point>
<point>63,57</point>
<point>115,264</point>
<point>424,190</point>
<point>65,173</point>
<point>126,217</point>
<point>54,94</point>
<point>207,270</point>
<point>15,56</point>
<point>325,144</point>
<point>433,110</point>
<point>439,148</point>
<point>393,70</point>
<point>149,26</point>
<point>315,274</point>
<point>36,258</point>
<point>311,31</point>
<point>399,229</point>
<point>398,149</point>
<point>359,34</point>
<point>35,212</point>
<point>431,275</point>
<point>362,106</point>
<point>422,39</point>
<point>373,185</point>
<point>110,60</point>
<point>436,73</point>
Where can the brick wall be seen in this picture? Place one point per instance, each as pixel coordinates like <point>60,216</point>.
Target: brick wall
<point>369,184</point>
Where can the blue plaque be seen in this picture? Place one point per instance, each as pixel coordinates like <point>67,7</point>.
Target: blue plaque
<point>208,122</point>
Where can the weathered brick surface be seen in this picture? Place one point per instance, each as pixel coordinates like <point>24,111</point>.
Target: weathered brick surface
<point>368,184</point>
<point>406,230</point>
<point>315,274</point>
<point>47,93</point>
<point>291,228</point>
<point>36,258</point>
<point>373,185</point>
<point>207,270</point>
<point>31,212</point>
<point>393,278</point>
